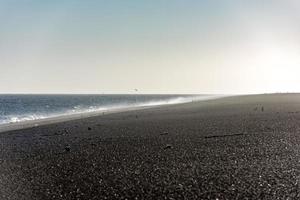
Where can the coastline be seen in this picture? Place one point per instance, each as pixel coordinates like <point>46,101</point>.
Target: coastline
<point>75,116</point>
<point>240,147</point>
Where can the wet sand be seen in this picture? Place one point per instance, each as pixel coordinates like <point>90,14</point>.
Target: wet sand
<point>244,147</point>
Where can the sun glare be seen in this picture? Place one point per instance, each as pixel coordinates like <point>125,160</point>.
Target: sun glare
<point>280,67</point>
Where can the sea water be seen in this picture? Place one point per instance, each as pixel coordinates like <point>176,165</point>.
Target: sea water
<point>19,108</point>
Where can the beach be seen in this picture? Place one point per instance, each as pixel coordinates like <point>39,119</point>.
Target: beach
<point>239,147</point>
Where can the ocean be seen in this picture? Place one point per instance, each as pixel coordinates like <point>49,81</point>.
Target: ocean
<point>19,108</point>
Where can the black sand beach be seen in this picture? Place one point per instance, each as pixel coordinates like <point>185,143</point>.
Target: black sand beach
<point>244,147</point>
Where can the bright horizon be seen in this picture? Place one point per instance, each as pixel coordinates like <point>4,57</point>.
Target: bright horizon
<point>172,47</point>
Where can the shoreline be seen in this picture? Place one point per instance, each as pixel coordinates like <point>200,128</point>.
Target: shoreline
<point>75,116</point>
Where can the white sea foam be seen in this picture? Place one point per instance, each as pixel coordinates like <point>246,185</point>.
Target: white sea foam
<point>81,110</point>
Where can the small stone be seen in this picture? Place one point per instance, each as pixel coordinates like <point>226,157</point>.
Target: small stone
<point>168,146</point>
<point>68,149</point>
<point>137,172</point>
<point>180,186</point>
<point>164,133</point>
<point>89,128</point>
<point>66,131</point>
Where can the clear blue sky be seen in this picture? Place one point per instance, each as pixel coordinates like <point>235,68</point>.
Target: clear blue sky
<point>157,46</point>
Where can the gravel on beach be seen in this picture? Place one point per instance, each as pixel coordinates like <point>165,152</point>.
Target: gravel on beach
<point>241,147</point>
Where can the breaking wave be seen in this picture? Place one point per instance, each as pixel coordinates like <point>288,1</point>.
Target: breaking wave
<point>82,109</point>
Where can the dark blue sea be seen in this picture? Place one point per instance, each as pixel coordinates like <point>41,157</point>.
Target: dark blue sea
<point>18,108</point>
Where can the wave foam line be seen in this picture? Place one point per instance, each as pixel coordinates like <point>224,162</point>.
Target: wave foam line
<point>91,109</point>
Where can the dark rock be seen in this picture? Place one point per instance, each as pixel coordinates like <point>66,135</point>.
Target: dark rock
<point>168,146</point>
<point>67,149</point>
<point>89,128</point>
<point>164,133</point>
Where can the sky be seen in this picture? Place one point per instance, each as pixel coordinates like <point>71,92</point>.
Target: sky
<point>157,46</point>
